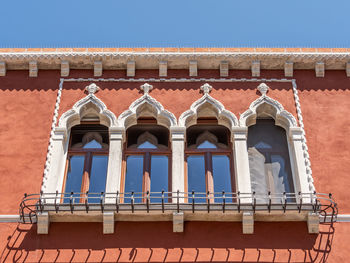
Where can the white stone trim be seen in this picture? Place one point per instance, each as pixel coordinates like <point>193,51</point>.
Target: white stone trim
<point>295,136</point>
<point>54,174</point>
<point>53,125</point>
<point>164,117</point>
<point>72,116</point>
<point>224,116</point>
<point>304,142</point>
<point>280,115</point>
<point>177,137</point>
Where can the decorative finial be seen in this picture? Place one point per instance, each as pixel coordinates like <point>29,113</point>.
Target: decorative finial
<point>92,88</point>
<point>146,88</point>
<point>206,88</point>
<point>263,88</point>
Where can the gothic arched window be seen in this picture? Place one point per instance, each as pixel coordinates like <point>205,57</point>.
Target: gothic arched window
<point>209,162</point>
<point>87,162</point>
<point>147,167</point>
<point>269,160</point>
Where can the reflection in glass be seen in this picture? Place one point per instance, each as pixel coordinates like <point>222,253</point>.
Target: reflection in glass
<point>98,176</point>
<point>206,145</point>
<point>196,177</point>
<point>159,177</point>
<point>133,177</point>
<point>92,145</point>
<point>147,145</point>
<point>222,177</point>
<point>280,176</point>
<point>74,176</point>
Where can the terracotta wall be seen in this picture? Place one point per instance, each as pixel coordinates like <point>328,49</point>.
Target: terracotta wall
<point>27,105</point>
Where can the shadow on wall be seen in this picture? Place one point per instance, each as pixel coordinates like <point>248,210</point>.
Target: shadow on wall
<point>155,242</point>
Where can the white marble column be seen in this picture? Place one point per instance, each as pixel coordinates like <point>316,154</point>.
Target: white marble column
<point>114,171</point>
<point>58,156</point>
<point>178,159</point>
<point>241,162</point>
<point>296,141</point>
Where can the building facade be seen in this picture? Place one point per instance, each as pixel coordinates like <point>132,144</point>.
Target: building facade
<point>174,154</point>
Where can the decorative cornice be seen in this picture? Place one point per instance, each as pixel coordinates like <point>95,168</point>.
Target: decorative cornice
<point>176,58</point>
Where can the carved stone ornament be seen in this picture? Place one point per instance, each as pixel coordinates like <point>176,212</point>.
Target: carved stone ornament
<point>92,88</point>
<point>206,88</point>
<point>146,88</point>
<point>263,88</point>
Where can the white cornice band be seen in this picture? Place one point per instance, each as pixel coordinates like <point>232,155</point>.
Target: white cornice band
<point>176,60</point>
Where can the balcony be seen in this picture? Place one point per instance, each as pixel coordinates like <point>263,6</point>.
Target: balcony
<point>178,207</point>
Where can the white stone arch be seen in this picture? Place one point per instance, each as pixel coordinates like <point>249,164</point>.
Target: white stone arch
<point>265,106</point>
<point>207,106</point>
<point>88,107</point>
<point>147,106</point>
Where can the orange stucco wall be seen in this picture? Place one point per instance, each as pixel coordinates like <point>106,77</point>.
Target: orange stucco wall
<point>26,106</point>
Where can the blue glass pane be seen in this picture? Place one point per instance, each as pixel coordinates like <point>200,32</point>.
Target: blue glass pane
<point>98,177</point>
<point>222,177</point>
<point>196,177</point>
<point>159,177</point>
<point>262,145</point>
<point>280,176</point>
<point>92,145</point>
<point>206,145</point>
<point>147,145</point>
<point>74,176</point>
<point>133,177</point>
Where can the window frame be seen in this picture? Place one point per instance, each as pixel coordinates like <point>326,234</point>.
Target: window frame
<point>208,154</point>
<point>147,158</point>
<point>88,154</point>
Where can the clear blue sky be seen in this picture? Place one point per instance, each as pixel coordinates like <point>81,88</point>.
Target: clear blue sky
<point>177,23</point>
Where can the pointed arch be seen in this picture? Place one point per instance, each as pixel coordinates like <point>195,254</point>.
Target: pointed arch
<point>265,106</point>
<point>207,106</point>
<point>87,107</point>
<point>146,106</point>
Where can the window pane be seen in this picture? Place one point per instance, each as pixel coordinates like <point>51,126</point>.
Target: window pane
<point>159,177</point>
<point>92,145</point>
<point>133,177</point>
<point>222,177</point>
<point>147,145</point>
<point>196,177</point>
<point>280,175</point>
<point>98,177</point>
<point>206,145</point>
<point>74,176</point>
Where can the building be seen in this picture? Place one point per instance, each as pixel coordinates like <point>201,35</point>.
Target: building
<point>174,154</point>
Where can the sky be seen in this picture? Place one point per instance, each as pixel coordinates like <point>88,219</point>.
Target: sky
<point>177,23</point>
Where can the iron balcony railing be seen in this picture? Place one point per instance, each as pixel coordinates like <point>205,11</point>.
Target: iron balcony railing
<point>132,202</point>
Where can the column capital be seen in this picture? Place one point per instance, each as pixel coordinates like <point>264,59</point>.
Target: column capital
<point>239,133</point>
<point>296,134</point>
<point>59,134</point>
<point>178,133</point>
<point>116,133</point>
